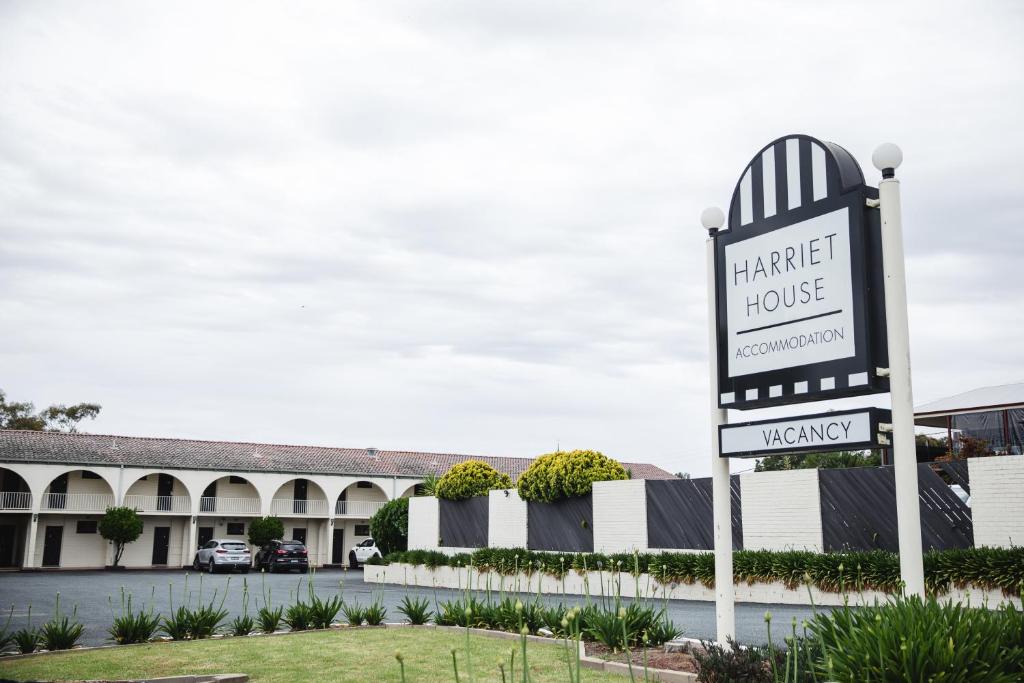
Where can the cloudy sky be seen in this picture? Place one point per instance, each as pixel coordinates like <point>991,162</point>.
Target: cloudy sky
<point>466,226</point>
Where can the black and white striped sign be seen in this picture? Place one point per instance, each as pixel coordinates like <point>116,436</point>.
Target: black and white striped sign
<point>800,313</point>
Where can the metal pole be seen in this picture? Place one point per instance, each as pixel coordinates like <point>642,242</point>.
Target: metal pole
<point>721,493</point>
<point>908,512</point>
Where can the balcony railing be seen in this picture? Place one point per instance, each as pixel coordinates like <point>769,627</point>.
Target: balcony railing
<point>236,506</point>
<point>15,500</point>
<point>77,502</point>
<point>304,508</point>
<point>178,504</point>
<point>362,509</point>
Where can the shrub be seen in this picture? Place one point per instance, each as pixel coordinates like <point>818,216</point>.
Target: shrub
<point>132,626</point>
<point>390,526</point>
<point>263,530</point>
<point>720,664</point>
<point>567,474</point>
<point>61,632</point>
<point>921,640</point>
<point>26,639</point>
<point>298,617</point>
<point>375,614</point>
<point>354,613</point>
<point>120,526</point>
<point>269,620</point>
<point>322,612</point>
<point>469,479</point>
<point>415,610</point>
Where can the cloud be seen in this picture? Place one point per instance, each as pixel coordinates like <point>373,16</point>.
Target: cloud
<point>460,226</point>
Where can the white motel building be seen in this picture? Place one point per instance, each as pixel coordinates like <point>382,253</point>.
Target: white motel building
<point>54,487</point>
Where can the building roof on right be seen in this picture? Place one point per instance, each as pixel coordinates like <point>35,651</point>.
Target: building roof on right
<point>1001,397</point>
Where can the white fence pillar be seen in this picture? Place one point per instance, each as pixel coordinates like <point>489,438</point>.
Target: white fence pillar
<point>781,510</point>
<point>506,519</point>
<point>620,516</point>
<point>997,500</point>
<point>424,523</point>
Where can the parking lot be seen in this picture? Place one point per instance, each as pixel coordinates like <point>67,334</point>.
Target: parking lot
<point>95,593</point>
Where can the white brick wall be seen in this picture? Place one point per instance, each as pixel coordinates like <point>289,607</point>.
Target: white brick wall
<point>424,523</point>
<point>506,520</point>
<point>620,516</point>
<point>997,500</point>
<point>781,510</point>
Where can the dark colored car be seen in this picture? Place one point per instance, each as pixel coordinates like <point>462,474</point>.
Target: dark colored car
<point>283,556</point>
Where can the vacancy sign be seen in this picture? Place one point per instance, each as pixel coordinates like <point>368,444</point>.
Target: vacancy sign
<point>798,287</point>
<point>841,430</point>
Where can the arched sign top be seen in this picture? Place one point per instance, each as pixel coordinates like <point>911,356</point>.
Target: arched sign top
<point>790,173</point>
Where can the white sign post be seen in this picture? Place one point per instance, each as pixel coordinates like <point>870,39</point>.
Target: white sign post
<point>721,493</point>
<point>887,159</point>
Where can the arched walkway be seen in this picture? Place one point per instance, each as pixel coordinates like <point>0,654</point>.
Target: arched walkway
<point>360,500</point>
<point>230,495</point>
<point>77,491</point>
<point>159,492</point>
<point>299,498</point>
<point>15,493</point>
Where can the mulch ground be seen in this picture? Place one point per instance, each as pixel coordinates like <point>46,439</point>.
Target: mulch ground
<point>656,658</point>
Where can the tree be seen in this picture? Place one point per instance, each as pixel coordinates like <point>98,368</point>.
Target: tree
<point>390,526</point>
<point>57,418</point>
<point>469,479</point>
<point>818,461</point>
<point>263,530</point>
<point>567,474</point>
<point>120,526</point>
<point>682,475</point>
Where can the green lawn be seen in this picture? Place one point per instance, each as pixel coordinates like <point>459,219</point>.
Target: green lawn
<point>366,654</point>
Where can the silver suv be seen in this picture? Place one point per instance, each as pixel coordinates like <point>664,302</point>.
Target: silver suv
<point>223,553</point>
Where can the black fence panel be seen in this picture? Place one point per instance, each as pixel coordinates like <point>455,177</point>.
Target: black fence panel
<point>463,523</point>
<point>957,471</point>
<point>565,525</point>
<point>858,510</point>
<point>680,515</point>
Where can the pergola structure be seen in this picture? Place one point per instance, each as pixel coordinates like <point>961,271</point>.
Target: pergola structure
<point>995,414</point>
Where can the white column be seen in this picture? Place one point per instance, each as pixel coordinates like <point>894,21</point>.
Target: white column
<point>725,591</point>
<point>908,512</point>
<point>30,542</point>
<point>330,537</point>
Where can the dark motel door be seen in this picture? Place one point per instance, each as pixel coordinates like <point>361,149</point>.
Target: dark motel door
<point>164,491</point>
<point>301,491</point>
<point>205,535</point>
<point>161,544</point>
<point>51,546</point>
<point>338,552</point>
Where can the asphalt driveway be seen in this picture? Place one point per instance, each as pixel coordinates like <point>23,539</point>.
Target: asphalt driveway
<point>95,595</point>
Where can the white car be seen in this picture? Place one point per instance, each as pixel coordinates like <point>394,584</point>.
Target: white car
<point>223,553</point>
<point>362,552</point>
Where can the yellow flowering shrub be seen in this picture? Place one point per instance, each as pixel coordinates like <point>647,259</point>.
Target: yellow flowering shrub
<point>567,474</point>
<point>470,478</point>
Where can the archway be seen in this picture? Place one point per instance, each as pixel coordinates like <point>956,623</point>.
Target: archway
<point>159,492</point>
<point>230,495</point>
<point>78,490</point>
<point>360,500</point>
<point>299,497</point>
<point>15,504</point>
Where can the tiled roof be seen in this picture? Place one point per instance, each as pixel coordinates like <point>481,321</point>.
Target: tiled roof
<point>106,449</point>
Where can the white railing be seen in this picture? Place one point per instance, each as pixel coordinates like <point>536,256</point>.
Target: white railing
<point>301,508</point>
<point>179,504</point>
<point>238,506</point>
<point>363,509</point>
<point>15,500</point>
<point>78,502</point>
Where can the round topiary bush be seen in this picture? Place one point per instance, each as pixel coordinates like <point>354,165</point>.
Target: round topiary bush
<point>470,478</point>
<point>390,526</point>
<point>567,474</point>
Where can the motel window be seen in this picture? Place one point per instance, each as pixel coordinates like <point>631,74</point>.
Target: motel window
<point>236,528</point>
<point>364,485</point>
<point>362,530</point>
<point>86,474</point>
<point>85,526</point>
<point>237,480</point>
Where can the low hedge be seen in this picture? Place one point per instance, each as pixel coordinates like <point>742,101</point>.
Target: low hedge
<point>987,568</point>
<point>567,474</point>
<point>469,479</point>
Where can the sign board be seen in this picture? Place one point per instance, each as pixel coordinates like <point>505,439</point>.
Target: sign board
<point>848,430</point>
<point>801,313</point>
